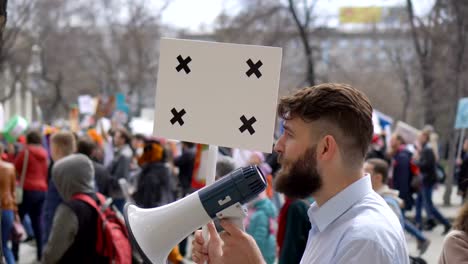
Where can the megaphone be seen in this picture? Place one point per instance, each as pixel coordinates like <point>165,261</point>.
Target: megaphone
<point>158,230</point>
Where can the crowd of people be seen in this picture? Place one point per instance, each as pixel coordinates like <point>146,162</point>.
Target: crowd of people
<point>43,170</point>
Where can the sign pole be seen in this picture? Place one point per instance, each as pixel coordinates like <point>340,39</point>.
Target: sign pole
<point>210,179</point>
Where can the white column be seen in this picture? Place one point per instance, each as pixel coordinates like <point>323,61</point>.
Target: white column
<point>28,106</point>
<point>18,101</point>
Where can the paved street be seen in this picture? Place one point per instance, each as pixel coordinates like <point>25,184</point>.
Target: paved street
<point>27,253</point>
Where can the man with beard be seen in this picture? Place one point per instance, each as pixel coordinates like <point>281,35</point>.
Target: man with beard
<point>328,129</point>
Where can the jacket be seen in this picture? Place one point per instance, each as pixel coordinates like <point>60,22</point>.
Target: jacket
<point>51,202</point>
<point>455,248</point>
<point>7,186</point>
<point>102,177</point>
<point>185,163</point>
<point>402,176</point>
<point>297,227</point>
<point>155,186</point>
<point>36,173</point>
<point>463,176</point>
<point>394,202</point>
<point>427,164</point>
<point>72,231</point>
<point>262,227</point>
<point>119,168</point>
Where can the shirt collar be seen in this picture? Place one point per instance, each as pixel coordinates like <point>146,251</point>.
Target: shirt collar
<point>324,215</point>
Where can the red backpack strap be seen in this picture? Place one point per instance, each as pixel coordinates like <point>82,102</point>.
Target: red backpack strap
<point>89,200</point>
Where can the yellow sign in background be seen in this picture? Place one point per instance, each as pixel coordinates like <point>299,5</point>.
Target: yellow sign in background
<point>363,15</point>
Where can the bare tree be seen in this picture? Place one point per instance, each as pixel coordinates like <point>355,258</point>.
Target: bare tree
<point>123,55</point>
<point>458,44</point>
<point>303,23</point>
<point>403,72</point>
<point>424,33</point>
<point>10,35</point>
<point>3,20</point>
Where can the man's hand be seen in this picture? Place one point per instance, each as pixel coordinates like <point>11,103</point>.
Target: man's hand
<point>231,246</point>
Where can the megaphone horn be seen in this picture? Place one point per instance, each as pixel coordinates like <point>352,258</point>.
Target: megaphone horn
<point>158,230</point>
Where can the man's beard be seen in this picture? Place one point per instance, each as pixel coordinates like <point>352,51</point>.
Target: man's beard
<point>299,179</point>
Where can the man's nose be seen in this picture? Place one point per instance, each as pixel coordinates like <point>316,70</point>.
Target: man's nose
<point>279,145</point>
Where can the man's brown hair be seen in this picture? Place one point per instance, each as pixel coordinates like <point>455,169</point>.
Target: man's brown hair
<point>124,134</point>
<point>380,166</point>
<point>65,141</point>
<point>339,105</point>
<point>34,137</point>
<point>400,138</point>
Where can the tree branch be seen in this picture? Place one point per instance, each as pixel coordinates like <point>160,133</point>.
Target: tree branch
<point>11,93</point>
<point>302,28</point>
<point>417,46</point>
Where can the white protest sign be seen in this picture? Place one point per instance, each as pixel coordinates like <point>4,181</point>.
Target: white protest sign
<point>409,133</point>
<point>217,93</point>
<point>86,104</point>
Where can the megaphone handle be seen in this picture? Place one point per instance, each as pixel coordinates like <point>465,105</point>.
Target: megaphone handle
<point>239,222</point>
<point>235,213</point>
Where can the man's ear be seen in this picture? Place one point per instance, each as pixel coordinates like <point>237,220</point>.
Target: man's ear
<point>327,148</point>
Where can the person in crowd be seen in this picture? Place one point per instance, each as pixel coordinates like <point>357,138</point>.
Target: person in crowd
<point>402,170</point>
<point>224,165</point>
<point>261,224</point>
<point>87,147</point>
<point>378,170</point>
<point>328,129</point>
<point>261,221</point>
<point>74,231</point>
<point>62,144</point>
<point>426,161</point>
<point>33,159</point>
<point>463,174</point>
<point>377,149</point>
<point>138,142</point>
<point>185,163</point>
<point>10,152</point>
<point>455,247</point>
<point>119,168</point>
<point>293,229</point>
<point>155,182</point>
<point>7,204</point>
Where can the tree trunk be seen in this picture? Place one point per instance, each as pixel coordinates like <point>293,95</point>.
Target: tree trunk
<point>427,93</point>
<point>3,20</point>
<point>452,152</point>
<point>303,33</point>
<point>461,25</point>
<point>406,100</point>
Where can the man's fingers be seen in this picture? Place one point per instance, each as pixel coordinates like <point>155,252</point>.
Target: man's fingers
<point>199,237</point>
<point>231,228</point>
<point>199,258</point>
<point>214,237</point>
<point>198,244</point>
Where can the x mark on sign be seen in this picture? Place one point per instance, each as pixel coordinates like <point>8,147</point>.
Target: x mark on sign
<point>247,124</point>
<point>177,116</point>
<point>183,64</point>
<point>254,68</point>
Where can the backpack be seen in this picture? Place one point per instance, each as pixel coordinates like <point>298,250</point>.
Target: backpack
<point>112,236</point>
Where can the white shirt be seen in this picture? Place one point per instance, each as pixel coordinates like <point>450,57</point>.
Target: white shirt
<point>355,226</point>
